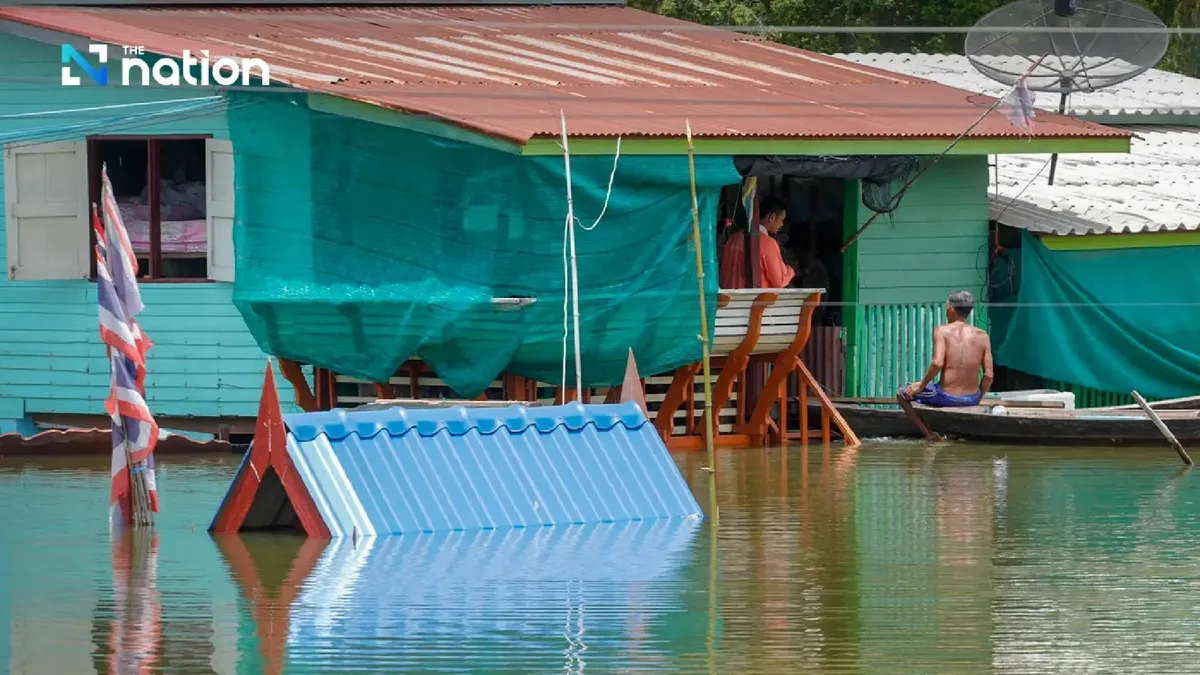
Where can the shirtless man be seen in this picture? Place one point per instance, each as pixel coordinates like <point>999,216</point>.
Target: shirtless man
<point>959,352</point>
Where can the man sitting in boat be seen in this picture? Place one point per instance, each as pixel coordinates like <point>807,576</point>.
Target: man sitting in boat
<point>960,351</point>
<point>775,272</point>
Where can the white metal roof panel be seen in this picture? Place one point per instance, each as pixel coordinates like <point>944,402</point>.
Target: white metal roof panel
<point>1155,94</point>
<point>1154,188</point>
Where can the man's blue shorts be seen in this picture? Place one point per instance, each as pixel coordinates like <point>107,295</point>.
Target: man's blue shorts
<point>934,396</point>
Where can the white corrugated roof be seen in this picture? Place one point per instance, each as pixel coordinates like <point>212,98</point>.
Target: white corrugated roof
<point>1155,93</point>
<point>1154,188</point>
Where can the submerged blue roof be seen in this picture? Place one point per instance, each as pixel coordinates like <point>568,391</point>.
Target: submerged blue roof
<point>400,470</point>
<point>336,425</point>
<point>504,591</point>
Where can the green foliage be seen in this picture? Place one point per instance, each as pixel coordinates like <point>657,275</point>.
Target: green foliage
<point>1182,57</point>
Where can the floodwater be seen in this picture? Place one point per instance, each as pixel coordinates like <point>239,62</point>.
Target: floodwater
<point>901,558</point>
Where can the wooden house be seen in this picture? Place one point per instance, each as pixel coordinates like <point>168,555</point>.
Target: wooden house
<point>219,181</point>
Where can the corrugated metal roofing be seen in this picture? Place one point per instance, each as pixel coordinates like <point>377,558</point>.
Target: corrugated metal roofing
<point>498,587</point>
<point>1155,93</point>
<point>508,71</point>
<point>1156,187</point>
<point>1153,188</point>
<point>399,471</point>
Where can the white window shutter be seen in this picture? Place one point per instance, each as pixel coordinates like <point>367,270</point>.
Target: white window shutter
<point>220,209</point>
<point>46,210</point>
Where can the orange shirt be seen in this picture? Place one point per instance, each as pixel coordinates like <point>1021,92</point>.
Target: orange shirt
<point>732,266</point>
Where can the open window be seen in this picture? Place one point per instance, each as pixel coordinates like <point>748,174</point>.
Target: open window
<point>175,195</point>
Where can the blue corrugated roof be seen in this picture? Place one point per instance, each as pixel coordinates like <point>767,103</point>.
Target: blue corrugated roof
<point>402,470</point>
<point>459,420</point>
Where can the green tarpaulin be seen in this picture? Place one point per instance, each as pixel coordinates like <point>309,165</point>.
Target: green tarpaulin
<point>362,245</point>
<point>1114,320</point>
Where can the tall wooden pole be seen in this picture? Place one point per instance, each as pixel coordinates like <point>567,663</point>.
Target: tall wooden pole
<point>709,429</point>
<point>574,264</point>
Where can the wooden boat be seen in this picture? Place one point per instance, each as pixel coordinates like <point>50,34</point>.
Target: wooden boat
<point>1022,425</point>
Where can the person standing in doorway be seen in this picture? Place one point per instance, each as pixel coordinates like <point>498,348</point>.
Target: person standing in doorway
<point>775,272</point>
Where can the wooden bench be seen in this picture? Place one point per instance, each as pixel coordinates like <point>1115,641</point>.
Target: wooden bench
<point>757,322</point>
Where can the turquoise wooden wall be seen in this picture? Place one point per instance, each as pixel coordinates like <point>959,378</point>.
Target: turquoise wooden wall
<point>933,244</point>
<point>204,362</point>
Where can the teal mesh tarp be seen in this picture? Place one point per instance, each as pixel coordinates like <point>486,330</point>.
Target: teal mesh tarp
<point>361,245</point>
<point>1113,320</point>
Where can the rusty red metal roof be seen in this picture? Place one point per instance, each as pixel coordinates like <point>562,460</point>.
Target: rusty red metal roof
<point>508,71</point>
<point>64,442</point>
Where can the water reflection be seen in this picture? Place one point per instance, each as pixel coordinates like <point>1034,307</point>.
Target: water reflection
<point>896,559</point>
<point>127,626</point>
<point>562,599</point>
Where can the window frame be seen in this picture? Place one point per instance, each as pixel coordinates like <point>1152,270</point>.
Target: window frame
<point>152,196</point>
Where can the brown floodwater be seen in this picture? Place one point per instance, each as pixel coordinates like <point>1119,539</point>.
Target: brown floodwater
<point>898,558</point>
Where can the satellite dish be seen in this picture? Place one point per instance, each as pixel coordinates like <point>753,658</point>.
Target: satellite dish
<point>1066,46</point>
<point>1083,46</point>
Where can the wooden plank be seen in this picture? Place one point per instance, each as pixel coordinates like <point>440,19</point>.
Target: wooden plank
<point>989,403</point>
<point>1184,403</point>
<point>419,404</point>
<point>1162,427</point>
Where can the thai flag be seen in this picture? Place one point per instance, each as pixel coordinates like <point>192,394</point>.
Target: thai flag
<point>134,432</point>
<point>135,633</point>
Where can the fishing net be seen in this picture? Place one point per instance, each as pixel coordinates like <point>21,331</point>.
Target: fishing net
<point>884,178</point>
<point>361,245</point>
<point>883,193</point>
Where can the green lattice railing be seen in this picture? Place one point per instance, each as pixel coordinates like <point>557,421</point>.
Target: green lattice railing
<point>894,344</point>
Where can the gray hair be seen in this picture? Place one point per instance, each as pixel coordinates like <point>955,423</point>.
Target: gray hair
<point>962,302</point>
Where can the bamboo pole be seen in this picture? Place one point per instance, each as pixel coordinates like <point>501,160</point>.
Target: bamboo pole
<point>709,429</point>
<point>1162,428</point>
<point>574,265</point>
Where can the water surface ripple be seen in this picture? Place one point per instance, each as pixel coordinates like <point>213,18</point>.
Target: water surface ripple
<point>904,558</point>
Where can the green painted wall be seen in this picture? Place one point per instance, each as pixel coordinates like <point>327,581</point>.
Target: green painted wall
<point>905,264</point>
<point>931,245</point>
<point>51,360</point>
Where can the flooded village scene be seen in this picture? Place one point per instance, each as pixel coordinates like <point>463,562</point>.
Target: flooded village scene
<point>716,337</point>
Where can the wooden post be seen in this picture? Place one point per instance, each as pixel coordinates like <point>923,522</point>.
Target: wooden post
<point>708,396</point>
<point>1162,427</point>
<point>803,413</point>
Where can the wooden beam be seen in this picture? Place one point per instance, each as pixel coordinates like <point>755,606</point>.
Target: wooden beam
<point>1162,428</point>
<point>990,403</point>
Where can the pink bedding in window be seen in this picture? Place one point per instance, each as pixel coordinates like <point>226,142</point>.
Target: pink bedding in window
<point>178,236</point>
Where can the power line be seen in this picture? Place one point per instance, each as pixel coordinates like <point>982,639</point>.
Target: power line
<point>396,21</point>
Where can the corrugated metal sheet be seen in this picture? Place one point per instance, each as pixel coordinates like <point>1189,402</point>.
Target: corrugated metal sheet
<point>1155,93</point>
<point>1151,189</point>
<point>494,589</point>
<point>397,471</point>
<point>825,356</point>
<point>58,442</point>
<point>1154,188</point>
<point>508,71</point>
